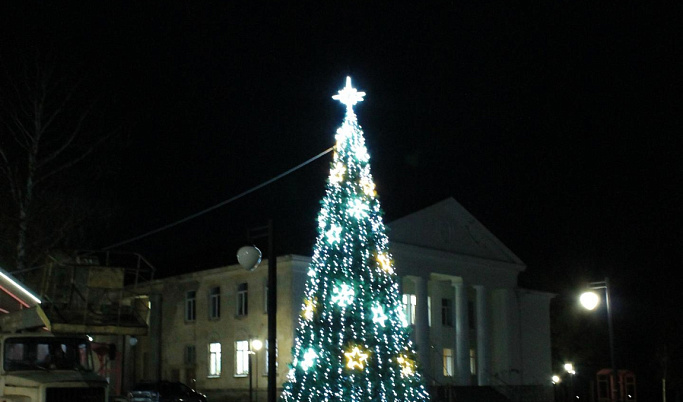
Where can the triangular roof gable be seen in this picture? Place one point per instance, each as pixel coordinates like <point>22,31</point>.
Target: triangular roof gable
<point>448,226</point>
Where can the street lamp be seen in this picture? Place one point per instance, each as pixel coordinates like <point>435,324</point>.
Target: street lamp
<point>254,346</point>
<point>249,257</point>
<point>569,368</point>
<point>590,301</point>
<point>555,380</point>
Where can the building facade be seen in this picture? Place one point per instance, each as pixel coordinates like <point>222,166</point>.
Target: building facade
<point>472,324</point>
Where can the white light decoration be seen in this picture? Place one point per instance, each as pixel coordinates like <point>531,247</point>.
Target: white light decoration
<point>368,186</point>
<point>343,295</point>
<point>309,359</point>
<point>334,234</point>
<point>360,152</point>
<point>351,343</point>
<point>358,209</point>
<point>22,290</point>
<point>378,316</point>
<point>337,174</point>
<point>400,312</point>
<point>349,96</point>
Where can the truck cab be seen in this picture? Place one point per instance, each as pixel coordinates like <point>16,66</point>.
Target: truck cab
<point>42,367</point>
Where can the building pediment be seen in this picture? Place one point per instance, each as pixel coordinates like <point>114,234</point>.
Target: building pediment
<point>447,226</point>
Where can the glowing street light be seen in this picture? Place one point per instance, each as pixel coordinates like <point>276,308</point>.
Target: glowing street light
<point>590,301</point>
<point>569,368</point>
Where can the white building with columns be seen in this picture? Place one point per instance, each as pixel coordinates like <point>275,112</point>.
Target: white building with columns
<point>471,324</point>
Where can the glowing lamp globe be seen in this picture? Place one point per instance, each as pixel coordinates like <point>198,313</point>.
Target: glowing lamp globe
<point>589,300</point>
<point>256,344</point>
<point>249,257</point>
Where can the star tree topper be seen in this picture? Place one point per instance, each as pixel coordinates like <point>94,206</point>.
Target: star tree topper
<point>349,95</point>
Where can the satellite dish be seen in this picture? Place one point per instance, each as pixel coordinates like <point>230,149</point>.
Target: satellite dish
<point>249,257</point>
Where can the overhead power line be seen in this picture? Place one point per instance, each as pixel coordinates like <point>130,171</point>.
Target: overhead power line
<point>220,204</point>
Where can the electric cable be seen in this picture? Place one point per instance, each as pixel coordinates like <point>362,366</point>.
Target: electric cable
<point>220,204</point>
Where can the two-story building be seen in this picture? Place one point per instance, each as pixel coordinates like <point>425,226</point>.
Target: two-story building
<point>472,325</point>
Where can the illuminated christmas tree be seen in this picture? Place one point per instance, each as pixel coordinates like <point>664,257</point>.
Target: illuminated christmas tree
<point>352,343</point>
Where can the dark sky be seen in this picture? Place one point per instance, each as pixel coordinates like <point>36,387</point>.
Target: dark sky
<point>557,123</point>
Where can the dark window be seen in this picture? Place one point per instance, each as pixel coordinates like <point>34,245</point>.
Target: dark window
<point>242,299</point>
<point>447,312</point>
<point>190,305</point>
<point>215,303</point>
<point>190,355</point>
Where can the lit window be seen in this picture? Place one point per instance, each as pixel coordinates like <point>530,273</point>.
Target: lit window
<point>448,362</point>
<point>267,354</point>
<point>409,302</point>
<point>214,359</point>
<point>447,312</point>
<point>241,358</point>
<point>190,305</point>
<point>429,310</point>
<point>473,361</point>
<point>215,303</point>
<point>242,306</point>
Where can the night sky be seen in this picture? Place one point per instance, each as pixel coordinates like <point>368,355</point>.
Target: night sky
<point>556,124</point>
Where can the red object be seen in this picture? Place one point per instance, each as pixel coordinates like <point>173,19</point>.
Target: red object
<point>624,390</point>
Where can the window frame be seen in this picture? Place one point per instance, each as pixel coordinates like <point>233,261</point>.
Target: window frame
<point>446,312</point>
<point>215,360</point>
<point>267,353</point>
<point>190,355</point>
<point>448,366</point>
<point>215,303</point>
<point>242,358</point>
<point>242,300</point>
<point>409,301</point>
<point>191,306</point>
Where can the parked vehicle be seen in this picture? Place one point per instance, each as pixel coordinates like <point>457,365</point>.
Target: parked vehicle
<point>164,391</point>
<point>42,367</point>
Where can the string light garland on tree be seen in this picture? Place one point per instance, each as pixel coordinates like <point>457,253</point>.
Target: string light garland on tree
<point>351,342</point>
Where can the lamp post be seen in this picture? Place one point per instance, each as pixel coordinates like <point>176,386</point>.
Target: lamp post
<point>590,301</point>
<point>254,346</point>
<point>249,257</point>
<point>569,368</point>
<point>555,380</point>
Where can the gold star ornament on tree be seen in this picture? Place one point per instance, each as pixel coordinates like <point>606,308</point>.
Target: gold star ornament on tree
<point>355,359</point>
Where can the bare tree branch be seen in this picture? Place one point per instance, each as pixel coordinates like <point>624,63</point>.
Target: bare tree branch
<point>48,131</point>
<point>66,143</point>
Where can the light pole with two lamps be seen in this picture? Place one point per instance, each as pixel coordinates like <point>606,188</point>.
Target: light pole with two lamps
<point>569,368</point>
<point>590,301</point>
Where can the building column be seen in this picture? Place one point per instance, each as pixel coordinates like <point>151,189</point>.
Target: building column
<point>422,324</point>
<point>462,336</point>
<point>483,336</point>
